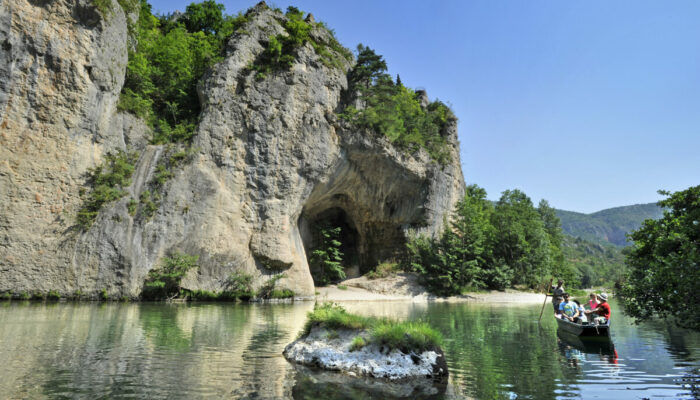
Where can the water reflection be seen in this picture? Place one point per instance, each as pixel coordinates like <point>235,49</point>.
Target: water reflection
<point>158,351</point>
<point>318,384</point>
<point>147,350</point>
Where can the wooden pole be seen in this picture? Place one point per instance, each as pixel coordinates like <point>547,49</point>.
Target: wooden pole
<point>545,298</point>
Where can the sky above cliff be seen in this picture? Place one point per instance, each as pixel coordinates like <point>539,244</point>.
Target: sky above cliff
<point>589,105</point>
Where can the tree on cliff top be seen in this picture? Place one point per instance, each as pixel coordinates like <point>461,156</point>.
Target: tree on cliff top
<point>369,69</point>
<point>393,110</point>
<point>664,277</point>
<point>170,56</point>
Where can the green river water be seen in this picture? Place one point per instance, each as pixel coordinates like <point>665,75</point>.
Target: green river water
<point>191,351</point>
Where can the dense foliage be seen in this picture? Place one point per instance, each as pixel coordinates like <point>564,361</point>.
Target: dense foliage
<point>108,181</point>
<point>664,277</point>
<point>326,257</point>
<point>164,282</point>
<point>281,49</point>
<point>170,56</point>
<point>407,336</point>
<point>393,110</point>
<point>592,264</point>
<point>490,246</point>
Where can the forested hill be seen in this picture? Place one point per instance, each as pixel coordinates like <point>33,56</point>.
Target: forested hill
<point>610,225</point>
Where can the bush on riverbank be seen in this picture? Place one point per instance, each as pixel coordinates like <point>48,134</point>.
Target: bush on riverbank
<point>384,270</point>
<point>164,282</point>
<point>403,335</point>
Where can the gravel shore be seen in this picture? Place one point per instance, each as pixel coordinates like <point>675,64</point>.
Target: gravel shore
<point>405,287</point>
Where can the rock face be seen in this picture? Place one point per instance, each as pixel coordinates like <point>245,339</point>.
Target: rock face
<point>61,70</point>
<point>271,161</point>
<point>331,351</point>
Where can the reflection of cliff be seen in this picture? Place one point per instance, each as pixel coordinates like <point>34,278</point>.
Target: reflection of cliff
<point>151,349</point>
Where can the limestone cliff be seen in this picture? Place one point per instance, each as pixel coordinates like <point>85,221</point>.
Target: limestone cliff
<point>271,160</point>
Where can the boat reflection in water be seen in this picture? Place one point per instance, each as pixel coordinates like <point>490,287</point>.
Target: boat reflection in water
<point>574,348</point>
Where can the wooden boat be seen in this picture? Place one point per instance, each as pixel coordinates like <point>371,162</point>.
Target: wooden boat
<point>584,330</point>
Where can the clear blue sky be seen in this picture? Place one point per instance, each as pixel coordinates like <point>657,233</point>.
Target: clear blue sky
<point>588,104</point>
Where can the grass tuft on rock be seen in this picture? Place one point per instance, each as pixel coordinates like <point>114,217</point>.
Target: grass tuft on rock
<point>358,342</point>
<point>403,335</point>
<point>406,335</point>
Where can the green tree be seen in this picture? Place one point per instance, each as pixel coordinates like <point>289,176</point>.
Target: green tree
<point>664,276</point>
<point>169,58</point>
<point>394,110</point>
<point>560,267</point>
<point>520,242</point>
<point>369,68</point>
<point>326,258</point>
<point>207,17</point>
<point>459,259</point>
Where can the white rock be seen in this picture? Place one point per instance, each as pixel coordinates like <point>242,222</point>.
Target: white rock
<point>317,349</point>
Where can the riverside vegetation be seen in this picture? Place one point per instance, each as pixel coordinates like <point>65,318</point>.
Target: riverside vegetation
<point>164,282</point>
<point>492,246</point>
<point>664,278</point>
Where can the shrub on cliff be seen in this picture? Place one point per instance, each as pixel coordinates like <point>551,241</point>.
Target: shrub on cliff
<point>281,49</point>
<point>108,181</point>
<point>393,110</point>
<point>164,282</point>
<point>170,56</point>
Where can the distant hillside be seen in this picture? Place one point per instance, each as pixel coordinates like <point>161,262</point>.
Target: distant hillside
<point>608,226</point>
<point>595,264</point>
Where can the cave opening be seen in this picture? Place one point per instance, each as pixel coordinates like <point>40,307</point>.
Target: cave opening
<point>348,237</point>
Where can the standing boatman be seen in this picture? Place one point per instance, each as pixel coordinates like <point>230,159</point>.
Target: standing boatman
<point>558,296</point>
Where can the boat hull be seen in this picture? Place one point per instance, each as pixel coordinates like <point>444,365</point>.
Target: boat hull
<point>580,330</point>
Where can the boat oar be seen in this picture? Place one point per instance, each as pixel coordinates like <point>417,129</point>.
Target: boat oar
<point>545,299</point>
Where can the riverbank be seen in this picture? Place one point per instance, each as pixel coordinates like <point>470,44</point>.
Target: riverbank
<point>405,287</point>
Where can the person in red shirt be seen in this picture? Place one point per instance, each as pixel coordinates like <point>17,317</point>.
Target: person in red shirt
<point>603,308</point>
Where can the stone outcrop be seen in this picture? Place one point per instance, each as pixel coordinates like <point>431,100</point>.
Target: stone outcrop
<point>332,350</point>
<point>271,161</point>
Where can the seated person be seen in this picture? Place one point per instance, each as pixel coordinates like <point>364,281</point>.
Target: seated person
<point>581,312</point>
<point>569,309</point>
<point>592,301</point>
<point>603,309</point>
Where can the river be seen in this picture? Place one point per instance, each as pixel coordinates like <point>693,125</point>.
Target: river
<point>158,351</point>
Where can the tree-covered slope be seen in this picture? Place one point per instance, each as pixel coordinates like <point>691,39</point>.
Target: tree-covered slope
<point>608,226</point>
<point>594,264</point>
